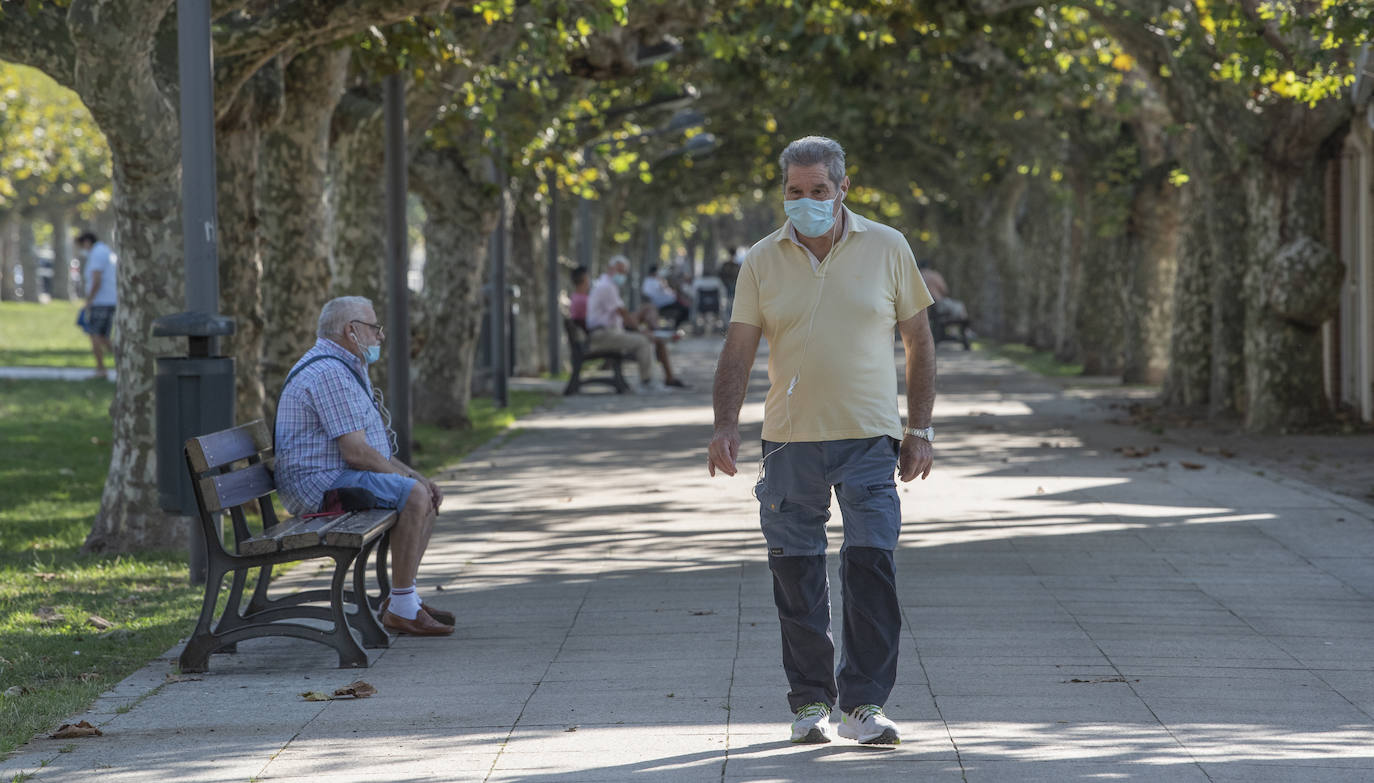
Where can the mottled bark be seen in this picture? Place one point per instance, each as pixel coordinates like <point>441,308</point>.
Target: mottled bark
<point>1188,380</point>
<point>461,208</point>
<point>9,242</point>
<point>357,214</point>
<point>1291,287</point>
<point>61,255</point>
<point>528,271</point>
<point>1151,266</point>
<point>1099,299</point>
<point>292,210</point>
<point>238,138</point>
<point>996,306</point>
<point>28,260</point>
<point>114,77</point>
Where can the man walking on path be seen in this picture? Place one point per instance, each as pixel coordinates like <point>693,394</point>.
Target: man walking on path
<point>826,290</point>
<point>332,434</point>
<point>97,317</point>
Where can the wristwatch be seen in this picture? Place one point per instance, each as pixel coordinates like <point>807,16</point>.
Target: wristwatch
<point>924,433</point>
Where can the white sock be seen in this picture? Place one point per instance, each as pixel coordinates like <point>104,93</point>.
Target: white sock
<point>405,602</point>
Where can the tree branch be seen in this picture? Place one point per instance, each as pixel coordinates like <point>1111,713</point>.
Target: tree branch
<point>1269,29</point>
<point>37,35</point>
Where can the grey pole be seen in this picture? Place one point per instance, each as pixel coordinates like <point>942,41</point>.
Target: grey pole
<point>555,318</point>
<point>500,355</point>
<point>198,209</point>
<point>398,264</point>
<point>584,232</point>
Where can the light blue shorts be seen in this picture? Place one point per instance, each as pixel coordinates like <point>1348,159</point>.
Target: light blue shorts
<point>794,495</point>
<point>392,489</point>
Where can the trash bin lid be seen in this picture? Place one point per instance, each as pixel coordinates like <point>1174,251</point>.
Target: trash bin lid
<point>193,325</point>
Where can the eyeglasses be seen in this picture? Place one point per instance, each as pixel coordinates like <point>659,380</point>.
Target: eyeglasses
<point>381,332</point>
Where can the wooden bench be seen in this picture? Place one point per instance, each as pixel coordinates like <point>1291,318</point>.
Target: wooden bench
<point>942,328</point>
<point>232,472</point>
<point>579,347</point>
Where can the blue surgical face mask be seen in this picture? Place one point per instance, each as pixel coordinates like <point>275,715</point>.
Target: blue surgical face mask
<point>619,278</point>
<point>371,353</point>
<point>810,217</point>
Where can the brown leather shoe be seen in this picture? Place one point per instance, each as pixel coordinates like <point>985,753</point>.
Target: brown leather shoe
<point>442,616</point>
<point>422,625</point>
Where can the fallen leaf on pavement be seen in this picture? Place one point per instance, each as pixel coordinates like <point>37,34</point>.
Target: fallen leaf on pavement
<point>571,728</point>
<point>316,696</point>
<point>75,731</point>
<point>1191,465</point>
<point>700,612</point>
<point>1135,451</point>
<point>356,689</point>
<point>99,623</point>
<point>173,677</point>
<point>1039,490</point>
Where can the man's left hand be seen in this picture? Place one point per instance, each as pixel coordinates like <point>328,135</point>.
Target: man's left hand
<point>915,458</point>
<point>436,495</point>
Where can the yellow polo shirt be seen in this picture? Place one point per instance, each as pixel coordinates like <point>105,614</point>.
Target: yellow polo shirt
<point>846,375</point>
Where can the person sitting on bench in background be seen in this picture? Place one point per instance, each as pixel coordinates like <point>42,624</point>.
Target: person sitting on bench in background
<point>331,433</point>
<point>665,299</point>
<point>947,309</point>
<point>577,300</point>
<point>607,319</point>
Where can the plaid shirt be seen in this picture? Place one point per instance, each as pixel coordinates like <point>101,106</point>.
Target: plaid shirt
<point>318,406</point>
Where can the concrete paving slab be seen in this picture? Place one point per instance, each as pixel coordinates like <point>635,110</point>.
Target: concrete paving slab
<point>596,569</point>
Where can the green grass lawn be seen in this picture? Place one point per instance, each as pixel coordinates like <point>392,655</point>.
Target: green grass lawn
<point>56,452</point>
<point>43,335</point>
<point>1042,362</point>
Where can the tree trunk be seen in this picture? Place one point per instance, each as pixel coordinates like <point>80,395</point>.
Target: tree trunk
<point>528,271</point>
<point>1292,287</point>
<point>1227,231</point>
<point>238,140</point>
<point>1188,380</point>
<point>114,77</point>
<point>291,205</point>
<point>1153,232</point>
<point>461,210</point>
<point>9,240</point>
<point>357,215</point>
<point>61,256</point>
<point>28,260</point>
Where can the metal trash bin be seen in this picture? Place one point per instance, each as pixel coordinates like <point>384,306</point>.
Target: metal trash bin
<point>195,396</point>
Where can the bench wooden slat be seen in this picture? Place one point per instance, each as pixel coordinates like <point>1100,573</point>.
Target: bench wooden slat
<point>221,448</point>
<point>236,488</point>
<point>357,529</point>
<point>298,532</point>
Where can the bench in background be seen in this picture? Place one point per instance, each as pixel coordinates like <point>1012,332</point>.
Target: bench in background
<point>578,346</point>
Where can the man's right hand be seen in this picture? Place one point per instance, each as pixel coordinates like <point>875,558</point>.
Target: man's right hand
<point>723,451</point>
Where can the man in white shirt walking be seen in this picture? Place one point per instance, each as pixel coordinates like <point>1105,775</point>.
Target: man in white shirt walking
<point>97,316</point>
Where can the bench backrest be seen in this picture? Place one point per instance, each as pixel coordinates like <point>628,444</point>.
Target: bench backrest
<point>222,480</point>
<point>577,338</point>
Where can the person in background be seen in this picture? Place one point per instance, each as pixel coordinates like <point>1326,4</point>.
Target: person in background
<point>607,319</point>
<point>97,315</point>
<point>664,299</point>
<point>577,301</point>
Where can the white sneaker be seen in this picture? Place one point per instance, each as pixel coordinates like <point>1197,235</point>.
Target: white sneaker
<point>812,724</point>
<point>652,387</point>
<point>867,724</point>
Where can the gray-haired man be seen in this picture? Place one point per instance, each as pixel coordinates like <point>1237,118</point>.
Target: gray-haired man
<point>826,290</point>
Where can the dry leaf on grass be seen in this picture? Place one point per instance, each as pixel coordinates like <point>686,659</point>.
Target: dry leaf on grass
<point>14,691</point>
<point>46,576</point>
<point>99,623</point>
<point>49,615</point>
<point>1191,465</point>
<point>75,731</point>
<point>88,676</point>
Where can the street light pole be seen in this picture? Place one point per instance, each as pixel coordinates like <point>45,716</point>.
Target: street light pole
<point>555,318</point>
<point>198,208</point>
<point>398,264</point>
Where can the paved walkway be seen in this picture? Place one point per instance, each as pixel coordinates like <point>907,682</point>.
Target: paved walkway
<point>1071,614</point>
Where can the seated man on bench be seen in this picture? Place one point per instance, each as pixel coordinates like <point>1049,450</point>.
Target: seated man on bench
<point>607,318</point>
<point>332,434</point>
